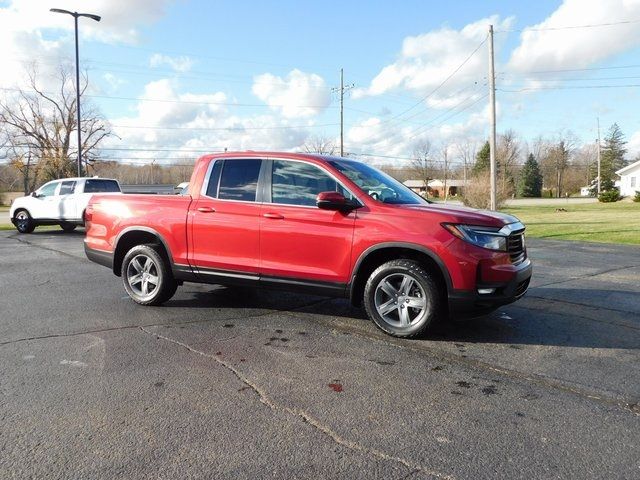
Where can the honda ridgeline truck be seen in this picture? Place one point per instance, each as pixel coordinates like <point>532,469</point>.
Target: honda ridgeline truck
<point>325,225</point>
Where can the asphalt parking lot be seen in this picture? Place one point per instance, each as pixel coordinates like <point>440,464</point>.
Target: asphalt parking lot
<point>235,383</point>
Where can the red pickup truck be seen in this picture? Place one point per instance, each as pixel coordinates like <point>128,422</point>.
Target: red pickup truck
<point>325,225</point>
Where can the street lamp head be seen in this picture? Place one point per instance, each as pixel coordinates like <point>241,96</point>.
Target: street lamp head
<point>97,18</point>
<point>91,16</point>
<point>59,10</point>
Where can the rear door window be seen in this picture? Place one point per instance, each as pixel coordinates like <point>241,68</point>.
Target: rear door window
<point>67,188</point>
<point>239,180</point>
<point>95,185</point>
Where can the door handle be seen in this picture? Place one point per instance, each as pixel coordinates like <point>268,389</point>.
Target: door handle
<point>274,216</point>
<point>206,209</point>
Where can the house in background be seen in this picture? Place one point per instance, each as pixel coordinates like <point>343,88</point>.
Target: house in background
<point>435,187</point>
<point>454,187</point>
<point>629,179</point>
<point>417,186</point>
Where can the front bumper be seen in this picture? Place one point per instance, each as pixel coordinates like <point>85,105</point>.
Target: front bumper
<point>464,303</point>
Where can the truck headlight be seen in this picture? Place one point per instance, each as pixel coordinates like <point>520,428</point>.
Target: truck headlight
<point>485,237</point>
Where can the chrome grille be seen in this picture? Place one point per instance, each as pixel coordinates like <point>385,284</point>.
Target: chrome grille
<point>515,247</point>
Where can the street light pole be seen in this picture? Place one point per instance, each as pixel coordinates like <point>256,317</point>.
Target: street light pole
<point>75,16</point>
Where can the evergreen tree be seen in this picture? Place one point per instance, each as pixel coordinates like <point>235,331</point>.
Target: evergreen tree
<point>530,178</point>
<point>483,160</point>
<point>611,158</point>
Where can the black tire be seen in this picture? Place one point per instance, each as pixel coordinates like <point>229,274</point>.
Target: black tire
<point>141,260</point>
<point>24,222</point>
<point>402,298</point>
<point>68,227</point>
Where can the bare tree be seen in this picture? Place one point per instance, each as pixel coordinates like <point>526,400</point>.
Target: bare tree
<point>508,153</point>
<point>466,152</point>
<point>421,164</point>
<point>42,124</point>
<point>556,159</point>
<point>320,145</point>
<point>445,162</point>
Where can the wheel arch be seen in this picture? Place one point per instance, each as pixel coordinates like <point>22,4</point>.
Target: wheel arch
<point>376,255</point>
<point>132,236</point>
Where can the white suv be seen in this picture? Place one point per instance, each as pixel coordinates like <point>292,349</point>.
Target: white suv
<point>59,202</point>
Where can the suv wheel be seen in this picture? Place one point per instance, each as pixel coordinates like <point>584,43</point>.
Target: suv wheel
<point>146,276</point>
<point>402,298</point>
<point>24,222</point>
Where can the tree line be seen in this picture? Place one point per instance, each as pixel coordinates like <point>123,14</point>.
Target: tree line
<point>555,166</point>
<point>37,144</point>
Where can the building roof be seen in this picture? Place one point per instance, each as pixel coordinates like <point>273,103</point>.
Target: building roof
<point>451,182</point>
<point>628,168</point>
<point>414,183</point>
<point>436,183</point>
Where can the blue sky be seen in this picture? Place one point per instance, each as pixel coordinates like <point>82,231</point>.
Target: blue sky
<point>191,76</point>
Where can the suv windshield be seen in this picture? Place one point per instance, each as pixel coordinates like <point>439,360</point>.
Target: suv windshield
<point>376,184</point>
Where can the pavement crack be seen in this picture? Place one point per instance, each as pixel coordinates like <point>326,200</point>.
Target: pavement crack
<point>547,300</point>
<point>266,400</point>
<point>540,380</point>
<point>591,275</point>
<point>130,327</point>
<point>27,242</point>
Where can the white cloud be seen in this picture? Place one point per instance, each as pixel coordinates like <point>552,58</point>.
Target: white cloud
<point>299,94</point>
<point>113,81</point>
<point>577,47</point>
<point>426,60</point>
<point>633,146</point>
<point>22,23</point>
<point>198,121</point>
<point>180,64</point>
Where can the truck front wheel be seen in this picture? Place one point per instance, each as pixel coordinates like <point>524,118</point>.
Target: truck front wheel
<point>402,298</point>
<point>147,277</point>
<point>23,221</point>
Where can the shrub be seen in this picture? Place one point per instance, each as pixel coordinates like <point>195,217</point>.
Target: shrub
<point>609,196</point>
<point>636,198</point>
<point>477,193</point>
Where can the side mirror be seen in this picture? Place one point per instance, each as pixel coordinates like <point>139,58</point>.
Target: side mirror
<point>334,201</point>
<point>34,195</point>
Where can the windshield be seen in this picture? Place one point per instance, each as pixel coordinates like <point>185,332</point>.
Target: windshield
<point>376,184</point>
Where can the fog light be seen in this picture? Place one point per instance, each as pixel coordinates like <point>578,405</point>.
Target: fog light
<point>486,291</point>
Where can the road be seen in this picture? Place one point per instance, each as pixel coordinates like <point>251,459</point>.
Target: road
<point>236,383</point>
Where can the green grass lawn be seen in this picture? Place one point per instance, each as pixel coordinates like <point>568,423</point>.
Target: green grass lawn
<point>598,222</point>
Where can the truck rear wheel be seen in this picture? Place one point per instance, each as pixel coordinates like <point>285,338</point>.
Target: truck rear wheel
<point>402,298</point>
<point>146,276</point>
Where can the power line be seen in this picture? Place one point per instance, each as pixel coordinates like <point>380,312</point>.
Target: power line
<point>565,87</point>
<point>586,79</point>
<point>429,126</point>
<point>587,69</point>
<point>569,27</point>
<point>145,149</point>
<point>432,92</point>
<point>186,102</point>
<point>229,129</point>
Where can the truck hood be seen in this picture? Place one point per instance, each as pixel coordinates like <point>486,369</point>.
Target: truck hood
<point>466,215</point>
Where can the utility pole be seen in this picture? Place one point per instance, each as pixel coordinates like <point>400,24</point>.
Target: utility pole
<point>598,120</point>
<point>341,91</point>
<point>492,131</point>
